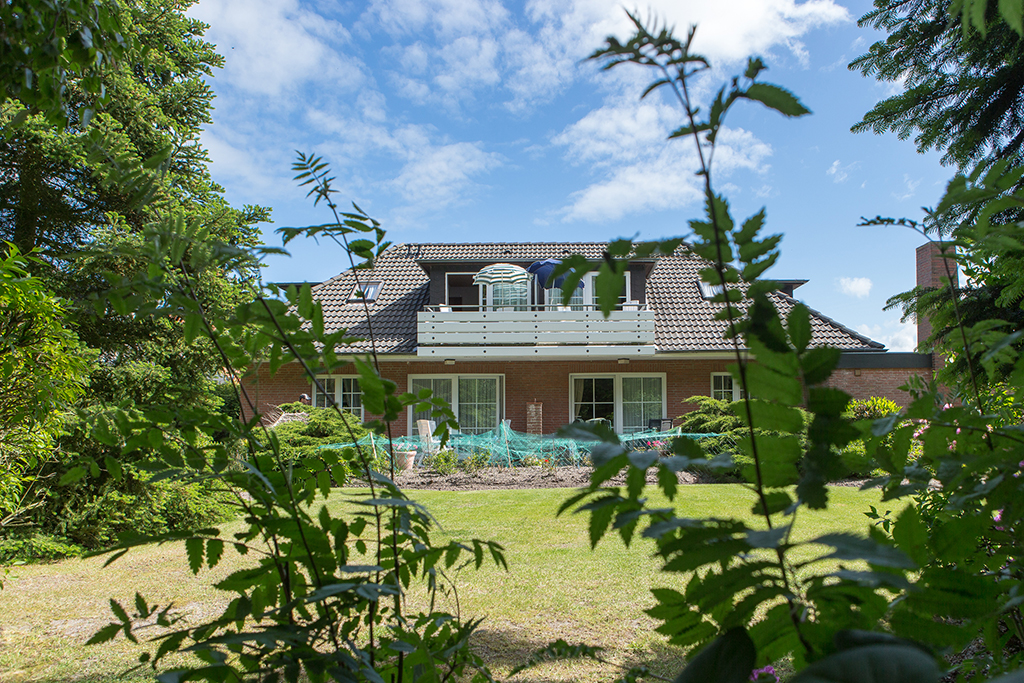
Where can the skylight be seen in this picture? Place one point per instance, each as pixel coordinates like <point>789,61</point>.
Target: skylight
<point>707,291</point>
<point>368,291</point>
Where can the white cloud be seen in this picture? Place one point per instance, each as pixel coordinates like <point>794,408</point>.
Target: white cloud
<point>472,45</point>
<point>727,30</point>
<point>896,335</point>
<point>839,172</point>
<point>909,188</point>
<point>858,287</point>
<point>637,171</point>
<point>437,176</point>
<point>275,46</point>
<point>447,19</point>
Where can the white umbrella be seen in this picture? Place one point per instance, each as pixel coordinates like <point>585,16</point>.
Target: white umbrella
<point>501,273</point>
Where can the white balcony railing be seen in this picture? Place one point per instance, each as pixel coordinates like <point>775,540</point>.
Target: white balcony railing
<point>540,331</point>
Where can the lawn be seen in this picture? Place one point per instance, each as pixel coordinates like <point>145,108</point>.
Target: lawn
<point>555,588</point>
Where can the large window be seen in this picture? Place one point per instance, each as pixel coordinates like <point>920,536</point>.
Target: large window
<point>477,400</point>
<point>594,399</point>
<point>626,402</point>
<point>553,298</point>
<point>343,390</point>
<point>585,297</point>
<point>724,388</point>
<point>507,296</point>
<point>641,403</point>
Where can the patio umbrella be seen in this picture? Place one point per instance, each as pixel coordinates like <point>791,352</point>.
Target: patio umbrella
<point>543,270</point>
<point>501,273</point>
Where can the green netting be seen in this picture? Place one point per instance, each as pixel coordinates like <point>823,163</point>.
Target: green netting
<point>505,447</point>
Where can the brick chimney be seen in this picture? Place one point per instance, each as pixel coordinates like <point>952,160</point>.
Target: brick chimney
<point>931,274</point>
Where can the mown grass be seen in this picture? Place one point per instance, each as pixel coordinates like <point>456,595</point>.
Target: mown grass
<point>556,587</point>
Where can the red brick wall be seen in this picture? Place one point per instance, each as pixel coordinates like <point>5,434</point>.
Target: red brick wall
<point>547,382</point>
<point>526,381</point>
<point>931,272</point>
<point>868,382</point>
<point>265,391</point>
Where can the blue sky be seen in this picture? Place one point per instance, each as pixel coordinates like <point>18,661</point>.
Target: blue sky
<point>477,121</point>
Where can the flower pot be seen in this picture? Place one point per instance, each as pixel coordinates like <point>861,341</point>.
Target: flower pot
<point>404,460</point>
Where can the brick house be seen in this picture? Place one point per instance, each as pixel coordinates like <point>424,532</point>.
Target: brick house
<point>509,350</point>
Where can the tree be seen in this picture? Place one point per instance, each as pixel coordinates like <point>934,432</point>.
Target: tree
<point>961,66</point>
<point>81,191</point>
<point>42,371</point>
<point>963,87</point>
<point>48,44</point>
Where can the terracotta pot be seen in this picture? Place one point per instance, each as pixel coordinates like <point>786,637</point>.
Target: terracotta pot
<point>404,460</point>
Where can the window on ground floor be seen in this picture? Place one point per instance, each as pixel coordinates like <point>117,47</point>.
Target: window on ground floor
<point>724,387</point>
<point>477,400</point>
<point>343,390</point>
<point>625,402</point>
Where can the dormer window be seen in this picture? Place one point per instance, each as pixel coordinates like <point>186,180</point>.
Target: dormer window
<point>708,291</point>
<point>367,291</point>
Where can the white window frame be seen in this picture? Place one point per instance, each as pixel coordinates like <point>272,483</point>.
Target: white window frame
<point>589,298</point>
<point>617,392</point>
<point>489,304</point>
<point>737,391</point>
<point>358,411</point>
<point>371,289</point>
<point>454,378</point>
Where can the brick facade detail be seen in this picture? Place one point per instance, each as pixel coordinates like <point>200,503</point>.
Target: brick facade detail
<point>931,273</point>
<point>862,383</point>
<point>537,393</point>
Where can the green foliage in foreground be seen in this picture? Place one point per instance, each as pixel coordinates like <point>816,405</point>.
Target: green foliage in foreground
<point>945,571</point>
<point>325,599</point>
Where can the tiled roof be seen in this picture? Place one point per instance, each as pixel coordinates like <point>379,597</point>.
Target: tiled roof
<point>684,320</point>
<point>503,251</point>
<point>392,314</point>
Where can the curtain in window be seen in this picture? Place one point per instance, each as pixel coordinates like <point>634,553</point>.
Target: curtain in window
<point>641,402</point>
<point>478,404</point>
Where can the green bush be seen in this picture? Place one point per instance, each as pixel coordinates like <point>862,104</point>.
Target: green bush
<point>93,517</point>
<point>716,417</point>
<point>36,547</point>
<point>444,462</point>
<point>871,408</point>
<point>854,455</point>
<point>323,427</point>
<point>474,462</point>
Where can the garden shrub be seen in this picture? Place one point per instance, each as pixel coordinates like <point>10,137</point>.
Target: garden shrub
<point>474,462</point>
<point>136,505</point>
<point>323,427</point>
<point>444,462</point>
<point>871,408</point>
<point>854,455</point>
<point>713,416</point>
<point>35,547</point>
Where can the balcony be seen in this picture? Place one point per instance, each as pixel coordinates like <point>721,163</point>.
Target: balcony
<point>534,331</point>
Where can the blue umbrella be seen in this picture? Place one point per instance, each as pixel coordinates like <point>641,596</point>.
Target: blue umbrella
<point>543,270</point>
